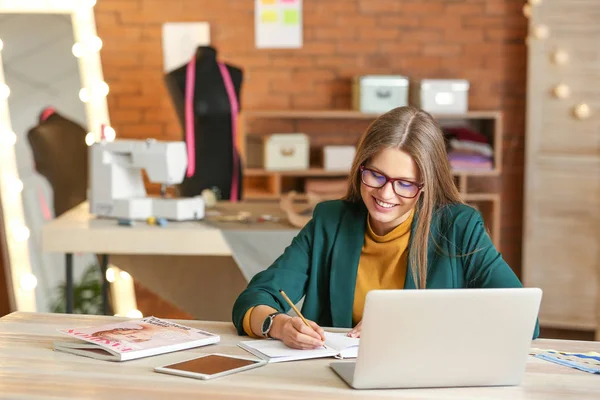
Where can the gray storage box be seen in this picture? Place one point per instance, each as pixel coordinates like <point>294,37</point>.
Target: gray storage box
<point>443,96</point>
<point>379,93</point>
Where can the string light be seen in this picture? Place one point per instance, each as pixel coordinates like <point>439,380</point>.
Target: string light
<point>20,233</point>
<point>134,314</point>
<point>92,45</point>
<point>109,133</point>
<point>28,282</point>
<point>4,91</point>
<point>13,184</point>
<point>90,138</point>
<point>8,138</point>
<point>125,275</point>
<point>110,274</point>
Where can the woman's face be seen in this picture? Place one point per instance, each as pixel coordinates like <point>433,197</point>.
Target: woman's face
<point>386,208</point>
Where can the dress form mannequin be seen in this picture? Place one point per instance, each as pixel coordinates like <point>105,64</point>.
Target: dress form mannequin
<point>212,119</point>
<point>61,156</point>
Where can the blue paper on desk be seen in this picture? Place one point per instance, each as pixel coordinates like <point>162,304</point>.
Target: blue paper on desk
<point>587,362</point>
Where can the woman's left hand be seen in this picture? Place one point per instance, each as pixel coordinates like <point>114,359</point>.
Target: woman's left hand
<point>355,332</point>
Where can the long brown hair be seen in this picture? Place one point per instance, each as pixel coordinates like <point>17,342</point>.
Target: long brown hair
<point>415,132</point>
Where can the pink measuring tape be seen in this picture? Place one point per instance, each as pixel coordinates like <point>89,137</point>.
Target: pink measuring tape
<point>189,121</point>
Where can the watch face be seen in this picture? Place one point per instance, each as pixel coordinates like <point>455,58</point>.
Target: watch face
<point>266,325</point>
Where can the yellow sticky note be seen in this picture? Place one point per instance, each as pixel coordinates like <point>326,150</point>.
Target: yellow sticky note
<point>268,2</point>
<point>290,17</point>
<point>269,16</point>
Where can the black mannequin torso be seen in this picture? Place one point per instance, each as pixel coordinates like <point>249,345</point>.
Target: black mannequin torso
<point>212,123</point>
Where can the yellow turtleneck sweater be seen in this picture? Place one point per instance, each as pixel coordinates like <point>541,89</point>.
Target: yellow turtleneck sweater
<point>382,265</point>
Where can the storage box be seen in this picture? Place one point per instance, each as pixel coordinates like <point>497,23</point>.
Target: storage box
<point>338,158</point>
<point>379,93</point>
<point>443,96</point>
<point>278,152</point>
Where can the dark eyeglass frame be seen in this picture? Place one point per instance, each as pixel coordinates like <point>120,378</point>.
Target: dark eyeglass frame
<point>419,186</point>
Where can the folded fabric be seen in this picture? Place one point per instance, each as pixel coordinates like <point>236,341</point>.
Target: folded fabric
<point>468,145</point>
<point>465,133</point>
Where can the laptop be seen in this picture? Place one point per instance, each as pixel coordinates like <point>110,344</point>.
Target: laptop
<point>443,338</point>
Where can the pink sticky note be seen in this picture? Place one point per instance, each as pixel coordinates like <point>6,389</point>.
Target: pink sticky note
<point>288,1</point>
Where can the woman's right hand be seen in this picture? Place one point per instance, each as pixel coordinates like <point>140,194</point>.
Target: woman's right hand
<point>294,333</point>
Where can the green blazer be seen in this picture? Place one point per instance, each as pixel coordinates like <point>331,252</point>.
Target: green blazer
<point>322,261</point>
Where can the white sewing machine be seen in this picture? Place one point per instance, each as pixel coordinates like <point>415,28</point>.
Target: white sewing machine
<point>117,186</point>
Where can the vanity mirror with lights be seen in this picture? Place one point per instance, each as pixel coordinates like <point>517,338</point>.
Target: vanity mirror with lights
<point>52,106</point>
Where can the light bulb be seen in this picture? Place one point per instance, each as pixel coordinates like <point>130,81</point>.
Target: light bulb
<point>109,133</point>
<point>28,281</point>
<point>94,43</point>
<point>125,275</point>
<point>562,91</point>
<point>1,44</point>
<point>134,314</point>
<point>101,89</point>
<point>582,111</point>
<point>13,184</point>
<point>535,2</point>
<point>527,10</point>
<point>110,274</point>
<point>560,57</point>
<point>8,138</point>
<point>77,49</point>
<point>4,91</point>
<point>541,32</point>
<point>90,138</point>
<point>21,233</point>
<point>84,95</point>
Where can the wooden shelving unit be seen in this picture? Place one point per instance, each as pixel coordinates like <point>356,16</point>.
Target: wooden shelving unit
<point>333,127</point>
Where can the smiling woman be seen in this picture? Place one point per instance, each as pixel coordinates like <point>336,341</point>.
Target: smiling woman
<point>402,225</point>
<point>48,55</point>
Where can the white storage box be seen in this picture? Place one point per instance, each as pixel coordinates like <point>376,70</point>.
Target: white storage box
<point>444,96</point>
<point>278,152</point>
<point>379,93</point>
<point>338,158</point>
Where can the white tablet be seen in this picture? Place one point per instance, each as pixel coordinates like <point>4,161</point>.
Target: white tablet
<point>211,366</point>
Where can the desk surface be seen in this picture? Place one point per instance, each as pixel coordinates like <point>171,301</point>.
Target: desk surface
<point>79,231</point>
<point>31,369</point>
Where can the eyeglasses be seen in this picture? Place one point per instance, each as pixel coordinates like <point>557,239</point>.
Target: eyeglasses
<point>402,187</point>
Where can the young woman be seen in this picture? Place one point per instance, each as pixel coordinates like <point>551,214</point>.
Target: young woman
<point>402,225</point>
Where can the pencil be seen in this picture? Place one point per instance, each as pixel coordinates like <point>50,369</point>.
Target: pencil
<point>294,308</point>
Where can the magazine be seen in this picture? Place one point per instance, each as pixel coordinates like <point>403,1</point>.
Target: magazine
<point>133,339</point>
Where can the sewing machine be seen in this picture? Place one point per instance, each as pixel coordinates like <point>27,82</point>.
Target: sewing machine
<point>117,186</point>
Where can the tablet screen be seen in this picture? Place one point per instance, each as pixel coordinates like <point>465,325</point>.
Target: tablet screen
<point>211,364</point>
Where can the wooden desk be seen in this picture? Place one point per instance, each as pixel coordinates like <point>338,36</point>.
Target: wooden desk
<point>31,369</point>
<point>155,256</point>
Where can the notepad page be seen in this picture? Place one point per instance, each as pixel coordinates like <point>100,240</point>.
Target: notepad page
<point>276,348</point>
<point>346,346</point>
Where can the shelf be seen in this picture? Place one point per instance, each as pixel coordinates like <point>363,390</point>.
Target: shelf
<point>351,114</point>
<point>317,172</point>
<point>320,172</point>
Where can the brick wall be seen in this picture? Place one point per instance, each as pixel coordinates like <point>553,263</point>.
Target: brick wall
<point>480,40</point>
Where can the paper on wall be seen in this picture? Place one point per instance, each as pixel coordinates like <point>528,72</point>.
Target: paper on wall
<point>278,24</point>
<point>180,40</point>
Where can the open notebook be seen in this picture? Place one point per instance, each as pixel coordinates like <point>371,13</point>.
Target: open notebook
<point>336,345</point>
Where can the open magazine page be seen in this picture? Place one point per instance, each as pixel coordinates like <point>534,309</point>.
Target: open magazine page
<point>147,333</point>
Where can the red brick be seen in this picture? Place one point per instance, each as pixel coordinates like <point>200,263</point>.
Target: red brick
<point>398,21</point>
<point>159,115</point>
<point>136,102</point>
<point>128,6</point>
<point>126,116</point>
<point>442,49</point>
<point>470,9</point>
<point>379,6</point>
<point>379,33</point>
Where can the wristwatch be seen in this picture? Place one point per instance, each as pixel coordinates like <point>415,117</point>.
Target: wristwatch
<point>268,324</point>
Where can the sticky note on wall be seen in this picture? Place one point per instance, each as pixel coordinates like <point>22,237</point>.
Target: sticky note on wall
<point>289,1</point>
<point>291,17</point>
<point>269,16</point>
<point>268,2</point>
